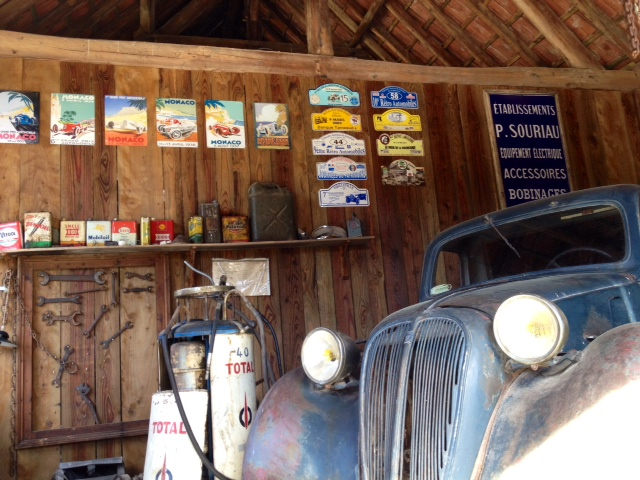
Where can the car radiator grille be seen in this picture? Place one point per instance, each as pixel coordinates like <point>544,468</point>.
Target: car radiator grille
<point>410,397</point>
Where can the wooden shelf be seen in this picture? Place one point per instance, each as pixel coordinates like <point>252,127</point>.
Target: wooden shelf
<point>191,247</point>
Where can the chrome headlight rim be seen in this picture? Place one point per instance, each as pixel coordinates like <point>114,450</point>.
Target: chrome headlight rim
<point>506,313</point>
<point>316,357</point>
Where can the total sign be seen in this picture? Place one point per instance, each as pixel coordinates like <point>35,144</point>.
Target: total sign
<point>344,194</point>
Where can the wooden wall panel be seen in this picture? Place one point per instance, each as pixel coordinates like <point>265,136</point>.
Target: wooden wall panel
<point>350,289</point>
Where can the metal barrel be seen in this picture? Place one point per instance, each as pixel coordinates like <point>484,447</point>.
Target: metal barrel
<point>188,363</point>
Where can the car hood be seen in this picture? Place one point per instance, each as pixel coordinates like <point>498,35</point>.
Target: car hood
<point>488,297</point>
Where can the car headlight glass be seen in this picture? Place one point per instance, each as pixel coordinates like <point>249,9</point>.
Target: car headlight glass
<point>328,356</point>
<point>530,329</point>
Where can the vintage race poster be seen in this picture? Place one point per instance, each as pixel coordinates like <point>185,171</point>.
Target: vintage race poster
<point>225,124</point>
<point>176,122</point>
<point>272,126</point>
<point>125,121</point>
<point>19,117</point>
<point>73,119</point>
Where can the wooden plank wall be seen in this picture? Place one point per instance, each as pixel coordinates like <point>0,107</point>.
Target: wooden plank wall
<point>350,290</point>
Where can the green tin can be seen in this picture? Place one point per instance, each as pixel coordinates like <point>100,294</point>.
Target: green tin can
<point>195,230</point>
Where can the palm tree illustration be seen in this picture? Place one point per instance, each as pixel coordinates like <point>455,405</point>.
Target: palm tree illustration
<point>138,104</point>
<point>23,98</point>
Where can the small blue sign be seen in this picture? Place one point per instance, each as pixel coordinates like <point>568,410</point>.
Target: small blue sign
<point>341,168</point>
<point>529,145</point>
<point>394,97</point>
<point>343,194</point>
<point>334,95</point>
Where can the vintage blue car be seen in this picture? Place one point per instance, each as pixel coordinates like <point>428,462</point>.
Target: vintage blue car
<point>521,361</point>
<point>23,122</point>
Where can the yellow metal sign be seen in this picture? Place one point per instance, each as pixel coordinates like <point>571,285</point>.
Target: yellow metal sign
<point>398,120</point>
<point>399,144</point>
<point>336,119</point>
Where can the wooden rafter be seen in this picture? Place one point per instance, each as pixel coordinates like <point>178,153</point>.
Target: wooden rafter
<point>189,15</point>
<point>366,21</point>
<point>253,23</point>
<point>147,16</point>
<point>558,34</point>
<point>482,58</point>
<point>350,25</point>
<point>318,28</point>
<point>607,26</point>
<point>482,11</point>
<point>429,42</point>
<point>291,34</point>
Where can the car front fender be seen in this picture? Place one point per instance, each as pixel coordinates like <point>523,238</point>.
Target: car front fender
<point>577,420</point>
<point>301,432</point>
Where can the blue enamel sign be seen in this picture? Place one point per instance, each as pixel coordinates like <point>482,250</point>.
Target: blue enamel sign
<point>526,129</point>
<point>394,97</point>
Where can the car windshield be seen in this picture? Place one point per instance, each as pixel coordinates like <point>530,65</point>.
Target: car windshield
<point>568,238</point>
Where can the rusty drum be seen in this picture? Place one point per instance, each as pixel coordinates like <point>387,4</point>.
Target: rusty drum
<point>188,364</point>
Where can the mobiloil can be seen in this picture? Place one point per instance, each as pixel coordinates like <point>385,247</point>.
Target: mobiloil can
<point>271,212</point>
<point>98,232</point>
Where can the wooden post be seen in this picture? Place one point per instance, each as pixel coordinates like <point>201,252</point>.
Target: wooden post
<point>318,28</point>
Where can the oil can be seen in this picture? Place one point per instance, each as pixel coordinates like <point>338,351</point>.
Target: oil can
<point>161,231</point>
<point>235,229</point>
<point>38,230</point>
<point>195,230</point>
<point>98,232</point>
<point>73,233</point>
<point>124,230</point>
<point>10,236</point>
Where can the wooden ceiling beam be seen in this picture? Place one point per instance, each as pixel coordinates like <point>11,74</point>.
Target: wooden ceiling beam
<point>366,22</point>
<point>606,25</point>
<point>188,15</point>
<point>428,42</point>
<point>525,52</point>
<point>350,25</point>
<point>482,58</point>
<point>558,34</point>
<point>318,28</point>
<point>210,59</point>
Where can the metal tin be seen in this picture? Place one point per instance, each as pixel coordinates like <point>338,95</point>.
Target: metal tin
<point>10,236</point>
<point>145,231</point>
<point>126,231</point>
<point>195,230</point>
<point>212,228</point>
<point>235,229</point>
<point>73,233</point>
<point>161,231</point>
<point>38,231</point>
<point>98,232</point>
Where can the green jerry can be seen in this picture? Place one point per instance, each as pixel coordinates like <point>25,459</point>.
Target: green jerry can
<point>272,216</point>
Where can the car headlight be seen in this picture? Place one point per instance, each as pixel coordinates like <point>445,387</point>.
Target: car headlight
<point>530,329</point>
<point>328,356</point>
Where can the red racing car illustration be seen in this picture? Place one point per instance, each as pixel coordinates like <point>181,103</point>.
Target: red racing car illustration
<point>223,130</point>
